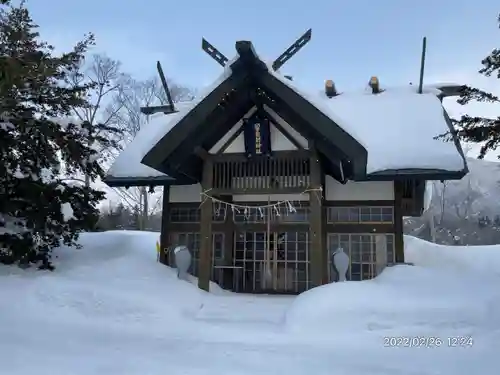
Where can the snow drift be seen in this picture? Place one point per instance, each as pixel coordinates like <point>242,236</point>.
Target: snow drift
<point>110,308</point>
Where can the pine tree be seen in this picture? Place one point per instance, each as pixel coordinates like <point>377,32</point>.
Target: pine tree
<point>482,129</point>
<point>41,206</point>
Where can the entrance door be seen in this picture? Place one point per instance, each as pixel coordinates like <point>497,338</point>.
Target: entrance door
<point>271,262</point>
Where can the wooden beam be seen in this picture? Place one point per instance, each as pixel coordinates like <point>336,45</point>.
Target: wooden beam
<point>399,248</point>
<point>324,231</point>
<point>230,140</point>
<point>201,152</point>
<point>205,262</point>
<point>317,248</point>
<point>165,219</point>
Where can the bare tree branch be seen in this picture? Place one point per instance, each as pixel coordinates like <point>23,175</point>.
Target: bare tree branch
<point>136,94</point>
<point>131,96</point>
<point>105,79</point>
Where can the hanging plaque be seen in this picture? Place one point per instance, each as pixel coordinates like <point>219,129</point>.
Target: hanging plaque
<point>257,135</point>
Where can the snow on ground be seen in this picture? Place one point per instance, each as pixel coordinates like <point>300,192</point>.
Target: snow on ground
<point>109,308</point>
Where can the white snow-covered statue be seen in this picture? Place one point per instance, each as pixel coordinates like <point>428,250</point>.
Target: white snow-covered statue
<point>182,261</point>
<point>340,261</point>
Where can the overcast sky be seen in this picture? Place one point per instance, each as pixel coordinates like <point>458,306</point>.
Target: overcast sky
<point>352,40</point>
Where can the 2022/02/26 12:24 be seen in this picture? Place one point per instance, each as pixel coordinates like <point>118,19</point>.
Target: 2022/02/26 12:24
<point>427,341</point>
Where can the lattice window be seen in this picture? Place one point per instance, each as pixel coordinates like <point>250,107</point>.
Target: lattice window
<point>362,250</point>
<point>285,267</point>
<point>360,215</point>
<point>184,215</point>
<point>280,215</point>
<point>192,241</point>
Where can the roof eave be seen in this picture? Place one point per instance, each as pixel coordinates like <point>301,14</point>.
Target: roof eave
<point>415,173</point>
<point>155,157</point>
<point>112,181</point>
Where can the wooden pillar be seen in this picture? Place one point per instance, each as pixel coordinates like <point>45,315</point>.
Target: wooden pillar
<point>205,261</point>
<point>229,229</point>
<point>398,222</point>
<point>165,219</point>
<point>317,248</point>
<point>326,255</point>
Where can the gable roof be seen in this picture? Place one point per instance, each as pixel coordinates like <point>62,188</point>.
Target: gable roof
<point>379,136</point>
<point>251,83</point>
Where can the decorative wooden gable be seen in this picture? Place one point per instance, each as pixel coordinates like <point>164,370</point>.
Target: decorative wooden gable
<point>282,136</point>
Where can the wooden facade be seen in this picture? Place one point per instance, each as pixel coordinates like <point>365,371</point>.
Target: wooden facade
<point>233,250</point>
<point>299,155</point>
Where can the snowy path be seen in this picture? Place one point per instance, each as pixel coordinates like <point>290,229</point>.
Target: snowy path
<point>114,314</point>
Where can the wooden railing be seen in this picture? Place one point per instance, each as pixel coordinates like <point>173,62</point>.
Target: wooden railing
<point>237,174</point>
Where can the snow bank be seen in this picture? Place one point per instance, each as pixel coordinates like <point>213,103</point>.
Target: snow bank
<point>484,260</point>
<point>409,299</point>
<point>110,308</point>
<point>445,291</point>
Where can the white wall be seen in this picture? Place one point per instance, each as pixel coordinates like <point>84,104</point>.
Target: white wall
<point>271,197</point>
<point>278,140</point>
<point>185,193</point>
<point>192,193</point>
<point>354,191</point>
<point>334,191</point>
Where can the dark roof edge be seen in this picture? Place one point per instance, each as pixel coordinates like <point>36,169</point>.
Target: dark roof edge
<point>413,173</point>
<point>450,90</point>
<point>154,157</point>
<point>139,181</point>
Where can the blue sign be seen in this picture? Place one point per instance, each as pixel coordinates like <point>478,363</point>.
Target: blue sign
<point>257,133</point>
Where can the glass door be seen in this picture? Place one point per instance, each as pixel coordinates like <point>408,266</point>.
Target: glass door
<point>272,252</point>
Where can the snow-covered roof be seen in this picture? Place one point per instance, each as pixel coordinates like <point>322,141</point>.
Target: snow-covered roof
<point>128,165</point>
<point>397,128</point>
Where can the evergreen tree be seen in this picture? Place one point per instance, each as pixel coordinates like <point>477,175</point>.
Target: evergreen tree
<point>41,152</point>
<point>481,129</point>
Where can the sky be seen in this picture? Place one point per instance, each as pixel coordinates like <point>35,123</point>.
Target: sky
<point>351,40</point>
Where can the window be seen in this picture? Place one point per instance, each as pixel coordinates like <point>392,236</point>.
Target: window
<point>360,215</point>
<point>252,215</point>
<point>186,215</point>
<point>219,213</point>
<point>362,250</point>
<point>192,241</point>
<point>281,214</point>
<point>301,215</point>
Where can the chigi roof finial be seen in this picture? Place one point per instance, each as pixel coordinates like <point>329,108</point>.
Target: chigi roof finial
<point>295,47</point>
